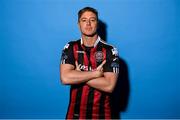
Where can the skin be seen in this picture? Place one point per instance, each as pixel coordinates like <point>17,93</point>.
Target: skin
<point>104,81</point>
<point>88,26</point>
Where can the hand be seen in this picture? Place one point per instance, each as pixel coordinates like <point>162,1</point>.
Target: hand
<point>99,69</point>
<point>77,66</point>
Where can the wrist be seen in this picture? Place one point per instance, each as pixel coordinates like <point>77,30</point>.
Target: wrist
<point>97,73</point>
<point>94,74</point>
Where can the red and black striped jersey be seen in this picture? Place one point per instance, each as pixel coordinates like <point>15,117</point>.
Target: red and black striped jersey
<point>87,102</point>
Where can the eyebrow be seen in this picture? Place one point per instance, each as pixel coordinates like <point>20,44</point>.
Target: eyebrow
<point>89,18</point>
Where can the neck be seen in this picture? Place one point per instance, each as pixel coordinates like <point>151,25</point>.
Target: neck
<point>89,40</point>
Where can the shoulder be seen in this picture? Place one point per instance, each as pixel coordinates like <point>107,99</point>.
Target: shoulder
<point>110,48</point>
<point>71,43</point>
<point>106,45</point>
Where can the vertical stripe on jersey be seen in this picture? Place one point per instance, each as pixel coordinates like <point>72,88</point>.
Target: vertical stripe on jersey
<point>97,96</point>
<point>106,99</point>
<point>90,102</point>
<point>102,98</point>
<point>78,102</point>
<point>93,59</point>
<point>83,106</point>
<point>71,105</point>
<point>104,53</point>
<point>107,109</point>
<point>80,55</point>
<point>73,91</point>
<point>79,87</point>
<point>75,49</point>
<point>84,99</point>
<point>101,107</point>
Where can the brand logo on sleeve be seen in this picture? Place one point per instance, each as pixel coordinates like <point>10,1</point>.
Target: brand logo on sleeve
<point>114,51</point>
<point>66,46</point>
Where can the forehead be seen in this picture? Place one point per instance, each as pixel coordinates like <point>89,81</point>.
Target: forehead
<point>88,14</point>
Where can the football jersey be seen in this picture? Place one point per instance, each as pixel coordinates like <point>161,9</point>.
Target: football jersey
<point>87,102</point>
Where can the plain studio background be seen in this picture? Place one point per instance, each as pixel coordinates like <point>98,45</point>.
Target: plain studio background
<point>33,33</point>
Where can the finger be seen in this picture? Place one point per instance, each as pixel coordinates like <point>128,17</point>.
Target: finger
<point>101,65</point>
<point>76,63</point>
<point>103,62</point>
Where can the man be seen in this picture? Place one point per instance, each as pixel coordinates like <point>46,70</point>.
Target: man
<point>91,67</point>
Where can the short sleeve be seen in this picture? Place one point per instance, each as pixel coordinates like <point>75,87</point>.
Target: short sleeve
<point>112,61</point>
<point>67,56</point>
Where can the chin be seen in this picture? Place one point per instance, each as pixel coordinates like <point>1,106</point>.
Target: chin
<point>90,34</point>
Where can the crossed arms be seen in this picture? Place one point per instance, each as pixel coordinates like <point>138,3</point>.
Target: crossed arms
<point>104,81</point>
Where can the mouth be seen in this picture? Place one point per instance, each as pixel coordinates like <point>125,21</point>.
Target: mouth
<point>88,29</point>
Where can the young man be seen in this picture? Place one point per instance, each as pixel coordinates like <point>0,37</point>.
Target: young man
<point>91,67</point>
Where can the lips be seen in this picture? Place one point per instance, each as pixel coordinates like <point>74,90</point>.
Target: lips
<point>88,29</point>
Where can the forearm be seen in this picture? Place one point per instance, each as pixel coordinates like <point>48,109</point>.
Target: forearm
<point>76,77</point>
<point>100,84</point>
<point>103,83</point>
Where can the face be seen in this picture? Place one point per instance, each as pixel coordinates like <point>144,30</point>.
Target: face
<point>88,23</point>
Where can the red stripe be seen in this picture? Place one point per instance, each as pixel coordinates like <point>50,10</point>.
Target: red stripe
<point>72,104</point>
<point>107,109</point>
<point>97,96</point>
<point>75,48</point>
<point>85,93</point>
<point>92,58</point>
<point>74,91</point>
<point>86,61</point>
<point>104,53</point>
<point>84,100</point>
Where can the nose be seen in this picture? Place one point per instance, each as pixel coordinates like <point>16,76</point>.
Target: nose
<point>88,22</point>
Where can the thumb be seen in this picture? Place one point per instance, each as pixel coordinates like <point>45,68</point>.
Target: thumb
<point>77,66</point>
<point>76,63</point>
<point>101,65</point>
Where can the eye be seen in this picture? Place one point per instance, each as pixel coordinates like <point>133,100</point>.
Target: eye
<point>93,20</point>
<point>83,20</point>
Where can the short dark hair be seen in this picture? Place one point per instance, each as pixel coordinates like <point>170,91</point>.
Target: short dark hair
<point>87,9</point>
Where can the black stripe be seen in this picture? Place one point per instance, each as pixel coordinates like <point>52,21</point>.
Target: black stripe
<point>69,102</point>
<point>80,55</point>
<point>99,48</point>
<point>90,104</point>
<point>101,107</point>
<point>79,92</point>
<point>78,102</point>
<point>103,96</point>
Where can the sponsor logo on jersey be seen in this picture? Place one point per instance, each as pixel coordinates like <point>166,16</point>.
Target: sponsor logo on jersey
<point>80,52</point>
<point>84,67</point>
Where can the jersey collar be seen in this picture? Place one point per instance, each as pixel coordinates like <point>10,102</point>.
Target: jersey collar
<point>95,44</point>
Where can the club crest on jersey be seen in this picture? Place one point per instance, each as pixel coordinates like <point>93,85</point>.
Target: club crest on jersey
<point>99,56</point>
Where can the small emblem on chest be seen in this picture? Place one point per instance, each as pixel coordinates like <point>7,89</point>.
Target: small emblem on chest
<point>99,56</point>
